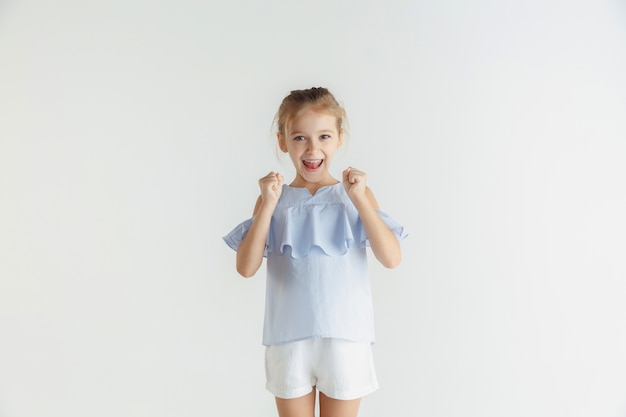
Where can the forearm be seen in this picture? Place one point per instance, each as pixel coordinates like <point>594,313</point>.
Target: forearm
<point>252,248</point>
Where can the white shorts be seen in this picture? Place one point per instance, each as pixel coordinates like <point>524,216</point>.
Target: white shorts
<point>339,368</point>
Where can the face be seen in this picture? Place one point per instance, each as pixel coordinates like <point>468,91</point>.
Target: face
<point>311,140</point>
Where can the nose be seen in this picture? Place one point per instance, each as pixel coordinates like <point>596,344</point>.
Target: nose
<point>312,145</point>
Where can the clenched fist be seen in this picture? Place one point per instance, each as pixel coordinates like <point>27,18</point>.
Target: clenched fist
<point>271,186</point>
<point>354,181</point>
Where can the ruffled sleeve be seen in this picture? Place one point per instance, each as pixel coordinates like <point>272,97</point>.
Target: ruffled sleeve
<point>391,223</point>
<point>234,238</point>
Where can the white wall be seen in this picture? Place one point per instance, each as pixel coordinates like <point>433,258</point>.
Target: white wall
<point>132,134</point>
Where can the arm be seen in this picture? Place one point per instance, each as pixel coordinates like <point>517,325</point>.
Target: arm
<point>383,242</point>
<point>252,247</point>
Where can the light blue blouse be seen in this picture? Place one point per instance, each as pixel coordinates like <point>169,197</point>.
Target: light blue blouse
<point>317,278</point>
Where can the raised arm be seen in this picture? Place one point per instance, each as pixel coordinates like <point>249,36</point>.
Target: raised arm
<point>252,247</point>
<point>383,241</point>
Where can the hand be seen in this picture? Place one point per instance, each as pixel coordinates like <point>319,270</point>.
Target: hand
<point>271,187</point>
<point>354,182</point>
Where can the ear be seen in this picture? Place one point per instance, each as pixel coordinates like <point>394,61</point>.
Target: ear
<point>281,142</point>
<point>340,141</point>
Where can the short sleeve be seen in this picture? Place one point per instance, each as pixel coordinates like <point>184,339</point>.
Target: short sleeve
<point>391,223</point>
<point>234,237</point>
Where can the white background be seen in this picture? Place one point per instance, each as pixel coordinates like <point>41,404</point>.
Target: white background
<point>132,135</point>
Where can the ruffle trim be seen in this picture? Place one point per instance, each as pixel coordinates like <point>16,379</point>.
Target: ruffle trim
<point>327,227</point>
<point>234,237</point>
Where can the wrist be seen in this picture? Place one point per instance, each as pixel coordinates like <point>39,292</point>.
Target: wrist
<point>360,201</point>
<point>267,206</point>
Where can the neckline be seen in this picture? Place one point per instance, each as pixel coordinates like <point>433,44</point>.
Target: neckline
<point>323,187</point>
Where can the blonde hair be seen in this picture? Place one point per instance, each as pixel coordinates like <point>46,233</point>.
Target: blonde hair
<point>318,99</point>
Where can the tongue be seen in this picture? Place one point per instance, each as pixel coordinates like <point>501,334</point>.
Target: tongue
<point>312,164</point>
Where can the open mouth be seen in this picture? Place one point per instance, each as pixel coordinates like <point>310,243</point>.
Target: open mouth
<point>312,164</point>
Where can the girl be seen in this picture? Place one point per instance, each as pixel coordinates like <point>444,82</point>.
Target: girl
<point>319,324</point>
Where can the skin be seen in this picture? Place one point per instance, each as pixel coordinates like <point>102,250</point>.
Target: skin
<point>311,141</point>
<point>305,406</point>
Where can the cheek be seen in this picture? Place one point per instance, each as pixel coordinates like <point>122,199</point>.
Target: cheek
<point>295,156</point>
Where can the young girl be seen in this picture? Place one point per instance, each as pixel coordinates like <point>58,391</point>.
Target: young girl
<point>319,324</point>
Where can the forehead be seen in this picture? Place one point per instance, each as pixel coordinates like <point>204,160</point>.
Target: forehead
<point>310,120</point>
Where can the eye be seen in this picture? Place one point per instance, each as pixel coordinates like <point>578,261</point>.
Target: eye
<point>299,138</point>
<point>325,137</point>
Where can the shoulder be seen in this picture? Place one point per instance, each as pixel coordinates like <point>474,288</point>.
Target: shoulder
<point>287,196</point>
<point>370,199</point>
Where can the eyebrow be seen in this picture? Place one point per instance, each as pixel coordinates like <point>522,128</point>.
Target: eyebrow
<point>319,131</point>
